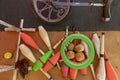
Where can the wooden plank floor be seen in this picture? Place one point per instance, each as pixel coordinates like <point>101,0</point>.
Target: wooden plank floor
<point>8,42</point>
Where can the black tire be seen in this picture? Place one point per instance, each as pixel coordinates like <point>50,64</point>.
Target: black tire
<point>35,6</point>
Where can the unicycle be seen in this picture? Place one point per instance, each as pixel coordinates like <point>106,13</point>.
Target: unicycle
<point>54,11</point>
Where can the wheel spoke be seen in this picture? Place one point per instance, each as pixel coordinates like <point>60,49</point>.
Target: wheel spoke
<point>44,8</point>
<point>49,15</point>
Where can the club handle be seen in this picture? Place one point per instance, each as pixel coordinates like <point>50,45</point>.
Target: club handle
<point>46,74</point>
<point>102,44</point>
<point>106,11</point>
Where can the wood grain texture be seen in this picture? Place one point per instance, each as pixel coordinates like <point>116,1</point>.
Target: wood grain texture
<point>112,45</point>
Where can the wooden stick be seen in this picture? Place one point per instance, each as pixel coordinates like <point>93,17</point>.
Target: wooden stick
<point>17,57</point>
<point>23,29</point>
<point>9,25</point>
<point>21,23</point>
<point>7,68</point>
<point>14,28</point>
<point>11,68</point>
<point>17,54</point>
<point>4,66</point>
<point>9,29</point>
<point>28,29</point>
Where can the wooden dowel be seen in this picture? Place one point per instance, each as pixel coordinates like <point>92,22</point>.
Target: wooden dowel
<point>9,25</point>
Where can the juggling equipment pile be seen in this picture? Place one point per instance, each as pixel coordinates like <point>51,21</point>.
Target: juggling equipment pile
<point>70,61</point>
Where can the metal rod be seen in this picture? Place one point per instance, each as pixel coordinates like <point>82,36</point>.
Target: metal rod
<point>76,4</point>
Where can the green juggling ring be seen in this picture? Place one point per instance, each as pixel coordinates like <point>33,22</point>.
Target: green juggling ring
<point>73,64</point>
